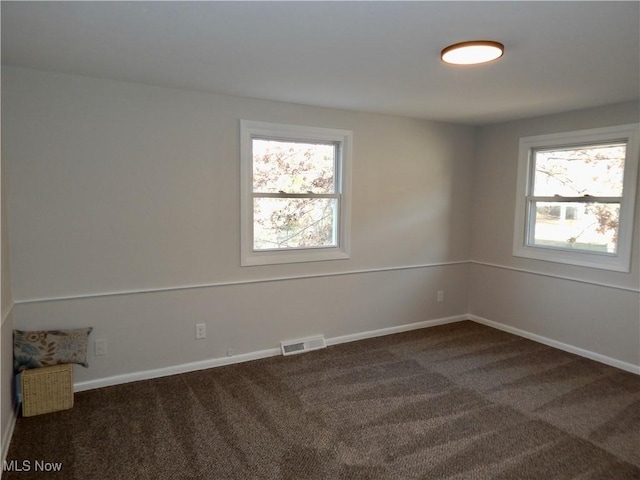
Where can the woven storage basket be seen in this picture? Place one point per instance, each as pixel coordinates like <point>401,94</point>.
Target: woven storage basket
<point>47,389</point>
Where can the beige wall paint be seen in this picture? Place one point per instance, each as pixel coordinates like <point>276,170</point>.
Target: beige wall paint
<point>6,300</point>
<point>6,332</point>
<point>494,189</point>
<point>7,406</point>
<point>156,330</point>
<point>595,318</point>
<point>120,187</point>
<point>599,320</point>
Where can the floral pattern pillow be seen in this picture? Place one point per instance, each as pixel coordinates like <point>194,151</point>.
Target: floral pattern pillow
<point>50,347</point>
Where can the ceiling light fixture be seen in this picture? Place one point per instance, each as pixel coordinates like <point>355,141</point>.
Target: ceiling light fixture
<point>472,53</point>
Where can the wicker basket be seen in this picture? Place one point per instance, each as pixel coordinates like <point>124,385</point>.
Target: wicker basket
<point>47,389</point>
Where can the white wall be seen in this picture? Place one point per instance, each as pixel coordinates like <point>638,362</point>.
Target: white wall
<point>601,312</point>
<point>123,214</point>
<point>7,417</point>
<point>7,405</point>
<point>119,187</point>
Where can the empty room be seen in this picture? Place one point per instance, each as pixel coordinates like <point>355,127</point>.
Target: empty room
<point>320,240</point>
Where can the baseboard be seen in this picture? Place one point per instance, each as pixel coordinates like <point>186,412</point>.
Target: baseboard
<point>8,433</point>
<point>398,329</point>
<point>219,362</point>
<point>173,370</point>
<point>629,367</point>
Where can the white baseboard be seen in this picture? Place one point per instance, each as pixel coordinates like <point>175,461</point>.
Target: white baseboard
<point>219,362</point>
<point>8,433</point>
<point>398,329</point>
<point>629,367</point>
<point>173,370</point>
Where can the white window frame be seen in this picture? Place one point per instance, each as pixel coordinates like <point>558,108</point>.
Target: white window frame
<point>250,129</point>
<point>524,219</point>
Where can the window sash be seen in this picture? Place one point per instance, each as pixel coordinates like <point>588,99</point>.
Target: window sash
<point>573,148</point>
<point>337,158</point>
<point>335,230</point>
<point>532,200</point>
<point>309,195</point>
<point>531,222</point>
<point>525,212</point>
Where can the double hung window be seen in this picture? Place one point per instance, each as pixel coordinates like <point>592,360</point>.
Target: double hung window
<point>576,196</point>
<point>295,186</point>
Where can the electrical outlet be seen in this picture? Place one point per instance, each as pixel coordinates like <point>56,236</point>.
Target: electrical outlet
<point>201,331</point>
<point>230,352</point>
<point>100,347</point>
<point>440,296</point>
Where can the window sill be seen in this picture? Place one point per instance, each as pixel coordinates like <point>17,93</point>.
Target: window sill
<point>293,256</point>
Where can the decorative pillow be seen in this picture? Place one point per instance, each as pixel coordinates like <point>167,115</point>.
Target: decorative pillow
<point>50,347</point>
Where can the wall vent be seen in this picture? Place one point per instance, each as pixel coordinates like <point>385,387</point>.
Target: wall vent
<point>300,345</point>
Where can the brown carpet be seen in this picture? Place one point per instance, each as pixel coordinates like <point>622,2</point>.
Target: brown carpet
<point>458,401</point>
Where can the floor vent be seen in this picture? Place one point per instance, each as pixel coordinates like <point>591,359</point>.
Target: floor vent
<point>292,347</point>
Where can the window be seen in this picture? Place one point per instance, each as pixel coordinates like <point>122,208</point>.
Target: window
<point>576,195</point>
<point>295,193</point>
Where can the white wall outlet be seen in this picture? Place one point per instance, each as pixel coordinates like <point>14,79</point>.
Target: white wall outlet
<point>440,296</point>
<point>230,352</point>
<point>201,331</point>
<point>100,347</point>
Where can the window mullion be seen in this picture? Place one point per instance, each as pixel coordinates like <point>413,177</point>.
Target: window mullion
<point>583,199</point>
<point>294,195</point>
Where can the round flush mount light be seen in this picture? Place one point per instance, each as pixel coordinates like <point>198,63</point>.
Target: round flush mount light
<point>472,53</point>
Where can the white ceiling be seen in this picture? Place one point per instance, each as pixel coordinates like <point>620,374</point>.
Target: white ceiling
<point>368,56</point>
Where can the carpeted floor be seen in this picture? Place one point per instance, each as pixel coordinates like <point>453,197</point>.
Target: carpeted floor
<point>458,401</point>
